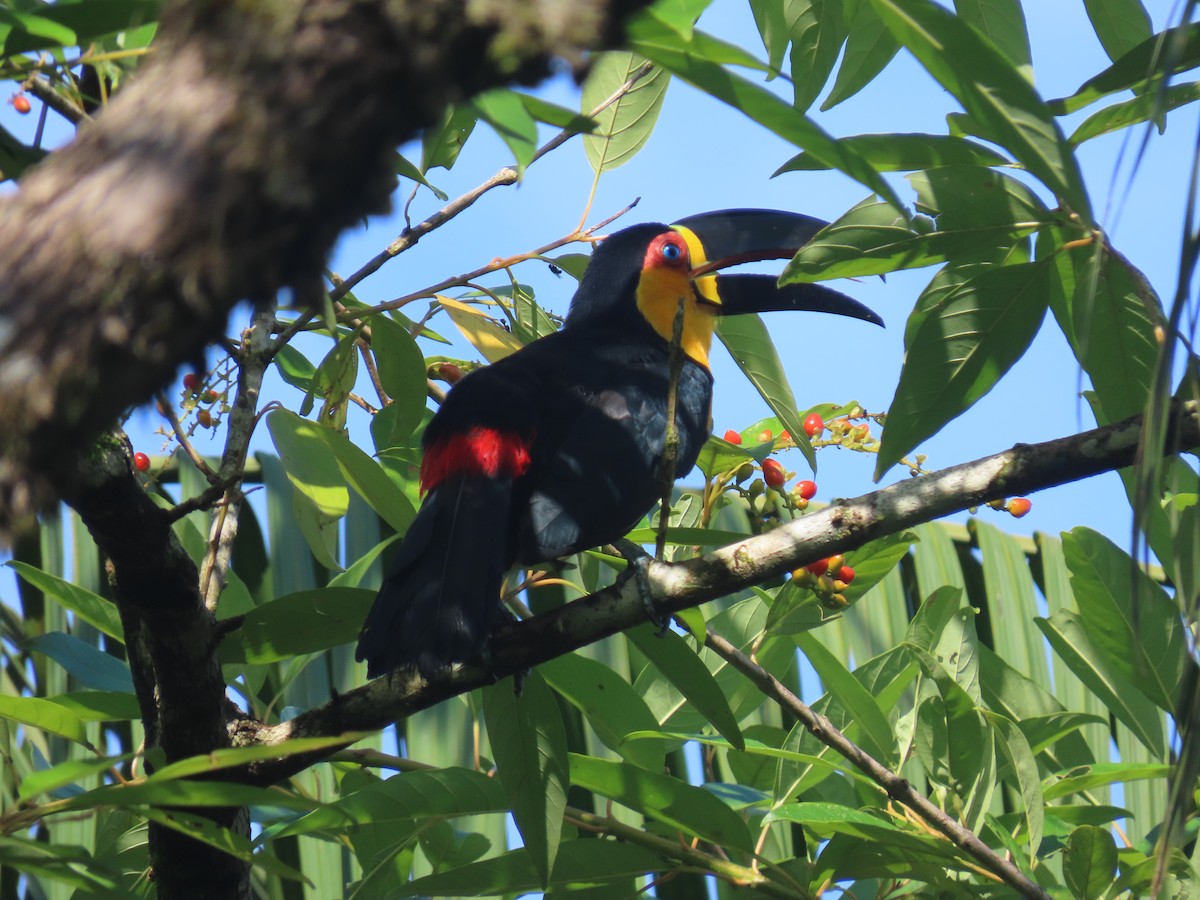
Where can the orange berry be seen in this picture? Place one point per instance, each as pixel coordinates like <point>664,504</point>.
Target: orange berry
<point>733,437</point>
<point>785,436</point>
<point>204,417</point>
<point>835,562</point>
<point>765,436</point>
<point>21,104</point>
<point>1018,506</point>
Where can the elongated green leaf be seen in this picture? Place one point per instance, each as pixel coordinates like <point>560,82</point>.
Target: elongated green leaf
<point>180,792</point>
<point>1011,605</point>
<point>441,144</point>
<point>1148,107</point>
<point>90,665</point>
<point>1003,23</point>
<point>869,48</point>
<point>875,734</point>
<point>310,465</point>
<point>558,116</point>
<point>370,481</point>
<point>672,656</point>
<point>1105,774</point>
<point>295,368</point>
<point>303,622</point>
<point>1090,861</point>
<point>582,864</point>
<point>99,706</point>
<point>217,760</point>
<point>826,819</point>
<point>1140,69</point>
<point>1071,641</point>
<point>623,128</point>
<point>874,560</point>
<point>765,108</point>
<point>613,708</point>
<point>1023,769</point>
<point>503,110</point>
<point>992,91</point>
<point>817,29</point>
<point>73,24</point>
<point>69,772</point>
<point>747,340</point>
<point>678,805</point>
<point>964,197</point>
<point>401,371</point>
<point>407,169</point>
<point>530,745</point>
<point>960,351</point>
<point>46,715</point>
<point>773,28</point>
<point>92,608</point>
<point>1129,617</point>
<point>446,793</point>
<point>904,153</point>
<point>1119,24</point>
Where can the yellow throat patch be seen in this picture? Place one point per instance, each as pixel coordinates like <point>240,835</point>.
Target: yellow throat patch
<point>660,290</point>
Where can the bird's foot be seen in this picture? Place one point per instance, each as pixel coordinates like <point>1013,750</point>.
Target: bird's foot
<point>639,564</point>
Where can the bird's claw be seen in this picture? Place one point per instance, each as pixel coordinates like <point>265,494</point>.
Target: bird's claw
<point>639,561</point>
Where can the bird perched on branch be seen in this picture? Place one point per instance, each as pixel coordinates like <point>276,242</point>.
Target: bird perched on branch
<point>557,448</point>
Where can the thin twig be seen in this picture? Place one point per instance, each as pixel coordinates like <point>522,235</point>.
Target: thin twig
<point>42,89</point>
<point>180,435</point>
<point>897,788</point>
<point>372,372</point>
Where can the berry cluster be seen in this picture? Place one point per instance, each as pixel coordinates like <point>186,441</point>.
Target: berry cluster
<point>200,396</point>
<point>828,578</point>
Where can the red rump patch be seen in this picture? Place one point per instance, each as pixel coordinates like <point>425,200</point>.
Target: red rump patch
<point>487,452</point>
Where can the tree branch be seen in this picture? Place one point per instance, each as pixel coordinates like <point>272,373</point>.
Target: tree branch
<point>225,171</point>
<point>844,525</point>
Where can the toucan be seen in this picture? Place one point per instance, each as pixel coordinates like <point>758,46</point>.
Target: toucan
<point>557,447</point>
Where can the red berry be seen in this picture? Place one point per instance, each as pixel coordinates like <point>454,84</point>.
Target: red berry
<point>814,425</point>
<point>773,473</point>
<point>208,397</point>
<point>193,382</point>
<point>806,489</point>
<point>1018,506</point>
<point>142,462</point>
<point>733,437</point>
<point>846,574</point>
<point>820,567</point>
<point>765,436</point>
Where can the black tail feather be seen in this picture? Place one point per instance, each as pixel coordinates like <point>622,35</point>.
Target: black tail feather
<point>440,600</point>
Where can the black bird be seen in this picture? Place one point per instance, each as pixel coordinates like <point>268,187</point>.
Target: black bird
<point>557,447</point>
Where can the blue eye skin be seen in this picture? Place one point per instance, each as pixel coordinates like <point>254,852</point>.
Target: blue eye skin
<point>671,252</point>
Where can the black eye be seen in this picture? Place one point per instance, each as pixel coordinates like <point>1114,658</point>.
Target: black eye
<point>671,252</point>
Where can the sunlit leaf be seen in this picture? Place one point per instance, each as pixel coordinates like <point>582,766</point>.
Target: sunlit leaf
<point>92,608</point>
<point>45,715</point>
<point>905,153</point>
<point>817,29</point>
<point>485,335</point>
<point>869,48</point>
<point>960,351</point>
<point>1003,23</point>
<point>304,622</point>
<point>622,128</point>
<point>1089,861</point>
<point>1119,24</point>
<point>1152,106</point>
<point>503,109</point>
<point>310,465</point>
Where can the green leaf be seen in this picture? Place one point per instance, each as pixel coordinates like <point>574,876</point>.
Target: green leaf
<point>904,153</point>
<point>623,127</point>
<point>294,368</point>
<point>1070,639</point>
<point>182,792</point>
<point>441,144</point>
<point>1149,107</point>
<point>69,772</point>
<point>992,91</point>
<point>303,622</point>
<point>1119,24</point>
<point>334,378</point>
<point>427,794</point>
<point>773,28</point>
<point>678,805</point>
<point>1023,768</point>
<point>875,734</point>
<point>748,342</point>
<point>1127,615</point>
<point>1011,606</point>
<point>1089,862</point>
<point>46,715</point>
<point>1141,69</point>
<point>869,48</point>
<point>92,608</point>
<point>406,169</point>
<point>311,466</point>
<point>874,560</point>
<point>485,335</point>
<point>88,664</point>
<point>817,29</point>
<point>960,351</point>
<point>964,197</point>
<point>401,371</point>
<point>613,708</point>
<point>100,706</point>
<point>582,864</point>
<point>529,742</point>
<point>558,116</point>
<point>503,110</point>
<point>1104,774</point>
<point>827,819</point>
<point>71,24</point>
<point>370,481</point>
<point>680,665</point>
<point>1002,22</point>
